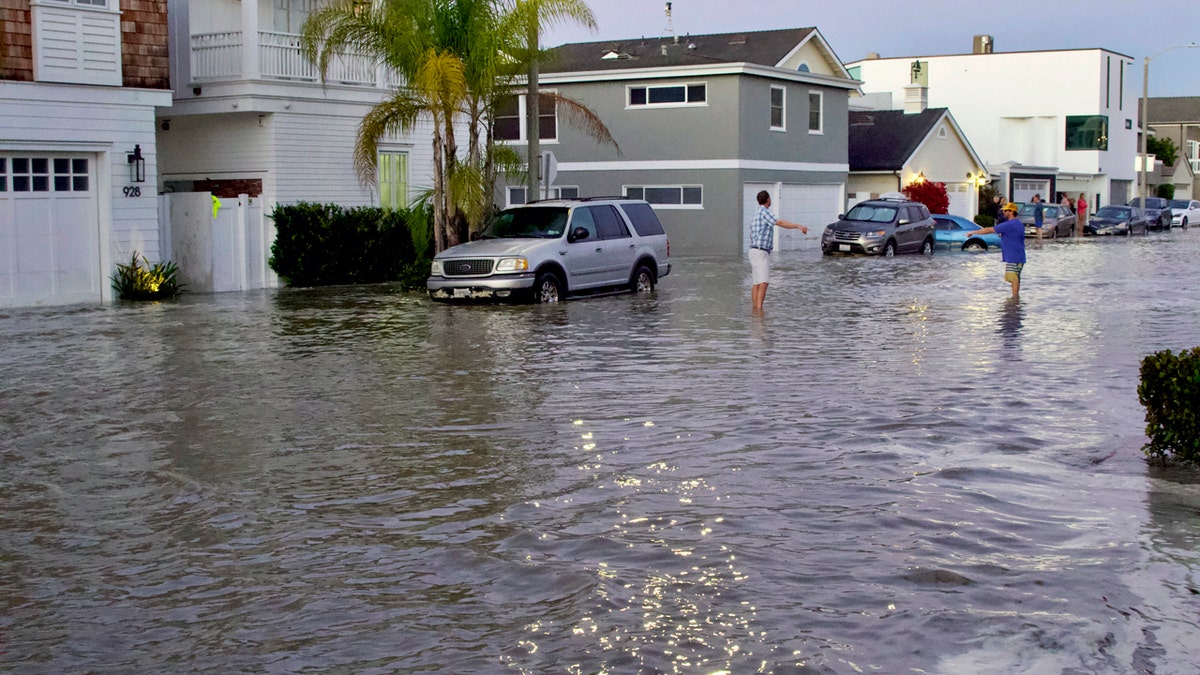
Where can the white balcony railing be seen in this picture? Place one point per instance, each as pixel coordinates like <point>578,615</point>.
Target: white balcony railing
<point>218,56</point>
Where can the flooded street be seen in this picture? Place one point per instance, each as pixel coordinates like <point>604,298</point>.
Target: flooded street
<point>894,470</point>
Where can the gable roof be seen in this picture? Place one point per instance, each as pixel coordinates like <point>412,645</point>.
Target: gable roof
<point>766,48</point>
<point>1173,110</point>
<point>883,140</point>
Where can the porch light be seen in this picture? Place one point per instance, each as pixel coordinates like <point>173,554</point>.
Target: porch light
<point>920,178</point>
<point>137,165</point>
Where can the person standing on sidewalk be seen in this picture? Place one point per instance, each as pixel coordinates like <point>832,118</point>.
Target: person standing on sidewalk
<point>762,242</point>
<point>1080,215</point>
<point>1039,215</point>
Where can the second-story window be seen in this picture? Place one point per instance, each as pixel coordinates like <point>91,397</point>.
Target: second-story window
<point>815,116</point>
<point>509,122</point>
<point>86,3</point>
<point>668,95</point>
<point>778,101</point>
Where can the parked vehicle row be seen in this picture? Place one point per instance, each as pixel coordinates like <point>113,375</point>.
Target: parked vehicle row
<point>1057,221</point>
<point>1117,220</point>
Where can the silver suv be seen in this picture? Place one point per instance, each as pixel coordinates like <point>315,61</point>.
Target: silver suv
<point>885,226</point>
<point>550,249</point>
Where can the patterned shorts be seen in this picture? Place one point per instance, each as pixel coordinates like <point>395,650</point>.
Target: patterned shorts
<point>1012,271</point>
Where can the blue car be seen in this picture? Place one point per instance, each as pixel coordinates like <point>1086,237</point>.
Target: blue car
<point>958,232</point>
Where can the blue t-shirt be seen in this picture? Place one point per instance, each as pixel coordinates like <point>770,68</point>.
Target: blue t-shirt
<point>1012,241</point>
<point>1038,214</point>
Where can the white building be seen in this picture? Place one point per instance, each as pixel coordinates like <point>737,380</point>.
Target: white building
<point>1044,122</point>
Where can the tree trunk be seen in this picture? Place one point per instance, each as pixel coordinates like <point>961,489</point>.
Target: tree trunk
<point>533,112</point>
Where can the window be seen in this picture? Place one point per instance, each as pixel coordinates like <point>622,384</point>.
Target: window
<point>668,95</point>
<point>393,180</point>
<point>1087,132</point>
<point>516,194</point>
<point>778,100</point>
<point>509,121</point>
<point>682,196</point>
<point>86,3</point>
<point>609,224</point>
<point>643,219</point>
<point>814,112</point>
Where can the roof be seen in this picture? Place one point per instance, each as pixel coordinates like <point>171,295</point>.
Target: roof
<point>985,54</point>
<point>766,48</point>
<point>1173,110</point>
<point>884,140</point>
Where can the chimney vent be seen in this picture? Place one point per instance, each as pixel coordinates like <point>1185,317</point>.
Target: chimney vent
<point>983,44</point>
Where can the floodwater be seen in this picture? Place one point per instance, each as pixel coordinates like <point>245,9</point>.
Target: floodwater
<point>893,470</point>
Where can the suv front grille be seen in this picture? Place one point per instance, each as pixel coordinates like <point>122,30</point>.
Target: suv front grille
<point>846,235</point>
<point>467,268</point>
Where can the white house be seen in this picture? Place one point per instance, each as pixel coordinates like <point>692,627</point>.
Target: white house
<point>251,115</point>
<point>79,83</point>
<point>1044,122</point>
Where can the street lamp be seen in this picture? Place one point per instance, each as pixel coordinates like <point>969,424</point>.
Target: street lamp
<point>1145,116</point>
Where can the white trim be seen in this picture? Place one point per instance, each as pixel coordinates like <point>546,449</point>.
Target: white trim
<point>695,72</point>
<point>830,56</point>
<point>703,164</point>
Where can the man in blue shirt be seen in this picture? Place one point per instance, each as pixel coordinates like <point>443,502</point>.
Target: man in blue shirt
<point>762,241</point>
<point>1012,246</point>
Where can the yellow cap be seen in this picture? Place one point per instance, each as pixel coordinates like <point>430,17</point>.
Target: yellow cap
<point>1011,207</point>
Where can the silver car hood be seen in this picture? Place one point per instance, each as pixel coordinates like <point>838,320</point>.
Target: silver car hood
<point>491,248</point>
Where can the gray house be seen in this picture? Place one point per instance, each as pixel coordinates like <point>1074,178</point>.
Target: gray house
<point>703,122</point>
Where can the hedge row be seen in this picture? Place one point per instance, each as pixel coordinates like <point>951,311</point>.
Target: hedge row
<point>1170,392</point>
<point>326,244</point>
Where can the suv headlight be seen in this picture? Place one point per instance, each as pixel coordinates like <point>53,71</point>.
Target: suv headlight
<point>435,268</point>
<point>875,233</point>
<point>512,265</point>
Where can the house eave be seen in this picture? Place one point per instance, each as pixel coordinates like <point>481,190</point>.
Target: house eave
<point>701,70</point>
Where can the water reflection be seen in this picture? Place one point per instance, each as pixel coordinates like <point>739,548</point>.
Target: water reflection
<point>360,480</point>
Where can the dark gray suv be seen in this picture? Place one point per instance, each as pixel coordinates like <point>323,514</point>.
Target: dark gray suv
<point>885,226</point>
<point>547,250</point>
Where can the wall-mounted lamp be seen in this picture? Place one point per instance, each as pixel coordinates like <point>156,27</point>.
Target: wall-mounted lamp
<point>920,178</point>
<point>137,165</point>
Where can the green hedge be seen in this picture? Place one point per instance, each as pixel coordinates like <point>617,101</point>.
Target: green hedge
<point>1170,391</point>
<point>984,220</point>
<point>326,244</point>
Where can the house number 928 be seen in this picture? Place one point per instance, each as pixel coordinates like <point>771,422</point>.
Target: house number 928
<point>133,191</point>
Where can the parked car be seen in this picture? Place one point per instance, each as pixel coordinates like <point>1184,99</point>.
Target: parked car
<point>551,249</point>
<point>1158,212</point>
<point>1057,221</point>
<point>958,232</point>
<point>1184,211</point>
<point>886,226</point>
<point>1120,220</point>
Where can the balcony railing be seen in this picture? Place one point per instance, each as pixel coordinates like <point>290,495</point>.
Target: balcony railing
<point>219,56</point>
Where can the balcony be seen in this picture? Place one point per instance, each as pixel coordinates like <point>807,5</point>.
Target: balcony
<point>221,57</point>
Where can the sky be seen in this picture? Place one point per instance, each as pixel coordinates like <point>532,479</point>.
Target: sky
<point>930,27</point>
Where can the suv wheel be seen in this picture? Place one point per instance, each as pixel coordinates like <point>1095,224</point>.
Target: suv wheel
<point>643,280</point>
<point>889,249</point>
<point>927,246</point>
<point>547,288</point>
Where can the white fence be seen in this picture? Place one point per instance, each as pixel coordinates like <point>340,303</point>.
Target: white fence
<point>217,251</point>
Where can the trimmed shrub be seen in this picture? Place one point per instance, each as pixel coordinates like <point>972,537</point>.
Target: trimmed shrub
<point>326,244</point>
<point>1166,191</point>
<point>139,280</point>
<point>984,220</point>
<point>1170,392</point>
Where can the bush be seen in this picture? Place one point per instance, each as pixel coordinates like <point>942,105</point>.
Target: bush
<point>1169,390</point>
<point>984,220</point>
<point>326,244</point>
<point>1166,191</point>
<point>149,282</point>
<point>932,195</point>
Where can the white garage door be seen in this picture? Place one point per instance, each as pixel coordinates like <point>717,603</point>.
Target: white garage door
<point>49,230</point>
<point>813,206</point>
<point>960,199</point>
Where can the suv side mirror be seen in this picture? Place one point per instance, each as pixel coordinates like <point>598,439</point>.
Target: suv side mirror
<point>577,234</point>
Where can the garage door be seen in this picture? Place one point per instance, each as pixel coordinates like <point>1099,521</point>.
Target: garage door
<point>960,199</point>
<point>49,230</point>
<point>813,206</point>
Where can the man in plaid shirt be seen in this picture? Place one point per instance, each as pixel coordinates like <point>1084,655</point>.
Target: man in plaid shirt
<point>762,241</point>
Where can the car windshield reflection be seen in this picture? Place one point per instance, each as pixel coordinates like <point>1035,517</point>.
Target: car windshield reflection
<point>1113,212</point>
<point>872,214</point>
<point>540,223</point>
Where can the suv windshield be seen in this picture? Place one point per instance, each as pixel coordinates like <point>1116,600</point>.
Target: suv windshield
<point>543,223</point>
<point>1151,202</point>
<point>872,214</point>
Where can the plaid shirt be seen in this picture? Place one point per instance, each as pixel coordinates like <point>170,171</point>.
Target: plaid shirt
<point>762,229</point>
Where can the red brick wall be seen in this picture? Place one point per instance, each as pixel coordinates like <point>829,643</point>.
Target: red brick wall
<point>231,187</point>
<point>144,61</point>
<point>16,41</point>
